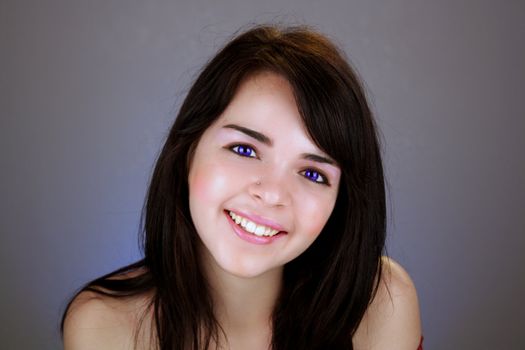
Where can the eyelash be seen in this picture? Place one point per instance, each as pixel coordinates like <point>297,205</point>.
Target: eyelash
<point>235,149</point>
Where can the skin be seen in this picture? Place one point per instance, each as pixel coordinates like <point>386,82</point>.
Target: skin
<point>232,170</point>
<point>270,179</point>
<point>271,182</point>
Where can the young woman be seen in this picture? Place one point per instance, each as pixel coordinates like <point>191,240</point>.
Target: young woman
<point>264,223</point>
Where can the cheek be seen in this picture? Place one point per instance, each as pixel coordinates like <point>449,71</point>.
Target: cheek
<point>205,183</point>
<point>201,184</point>
<point>213,181</point>
<point>204,194</point>
<point>317,211</point>
<point>318,221</point>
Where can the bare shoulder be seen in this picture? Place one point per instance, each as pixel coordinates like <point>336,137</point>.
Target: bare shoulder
<point>392,320</point>
<point>95,321</point>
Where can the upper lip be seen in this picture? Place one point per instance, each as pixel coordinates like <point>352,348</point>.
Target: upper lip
<point>259,220</point>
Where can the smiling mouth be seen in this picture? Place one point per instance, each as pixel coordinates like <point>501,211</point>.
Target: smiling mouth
<point>252,227</point>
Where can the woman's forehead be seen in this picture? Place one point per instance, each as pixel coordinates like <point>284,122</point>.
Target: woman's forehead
<point>265,104</point>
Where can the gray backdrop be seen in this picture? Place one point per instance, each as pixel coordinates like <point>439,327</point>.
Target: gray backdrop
<point>89,88</point>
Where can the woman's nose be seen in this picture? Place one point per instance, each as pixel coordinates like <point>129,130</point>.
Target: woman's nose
<point>271,190</point>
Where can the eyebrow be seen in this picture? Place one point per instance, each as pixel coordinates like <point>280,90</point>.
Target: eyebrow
<point>318,158</point>
<point>268,141</point>
<point>252,133</point>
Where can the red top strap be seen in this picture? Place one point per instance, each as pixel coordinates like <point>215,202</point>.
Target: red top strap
<point>420,347</point>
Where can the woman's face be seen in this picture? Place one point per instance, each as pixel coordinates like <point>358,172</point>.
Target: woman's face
<point>260,189</point>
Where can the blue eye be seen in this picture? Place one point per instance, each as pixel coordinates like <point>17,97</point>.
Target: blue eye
<point>244,150</point>
<point>315,176</point>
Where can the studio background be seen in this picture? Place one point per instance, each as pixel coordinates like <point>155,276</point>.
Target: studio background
<point>88,90</point>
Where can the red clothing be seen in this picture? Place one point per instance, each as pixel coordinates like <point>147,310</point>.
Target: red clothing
<point>420,347</point>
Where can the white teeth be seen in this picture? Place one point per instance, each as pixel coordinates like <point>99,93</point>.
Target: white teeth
<point>260,230</point>
<point>252,227</point>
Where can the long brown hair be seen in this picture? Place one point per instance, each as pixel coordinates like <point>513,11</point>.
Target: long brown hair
<point>327,289</point>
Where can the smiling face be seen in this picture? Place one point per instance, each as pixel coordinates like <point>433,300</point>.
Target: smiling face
<point>260,189</point>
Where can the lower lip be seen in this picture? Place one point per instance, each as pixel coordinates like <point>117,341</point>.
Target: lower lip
<point>250,237</point>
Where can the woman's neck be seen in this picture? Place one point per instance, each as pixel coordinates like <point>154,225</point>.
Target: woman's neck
<point>243,305</point>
